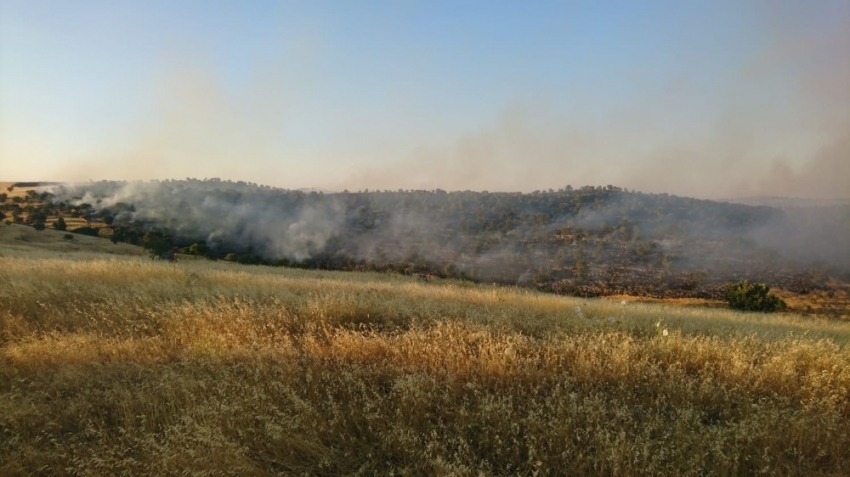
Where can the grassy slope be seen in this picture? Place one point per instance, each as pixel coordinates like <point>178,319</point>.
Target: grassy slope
<point>118,364</point>
<point>23,240</point>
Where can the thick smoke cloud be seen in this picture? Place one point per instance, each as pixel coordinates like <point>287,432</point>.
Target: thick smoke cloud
<point>491,235</point>
<point>236,213</point>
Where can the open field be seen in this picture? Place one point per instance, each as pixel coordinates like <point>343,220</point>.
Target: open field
<point>16,191</point>
<point>120,365</point>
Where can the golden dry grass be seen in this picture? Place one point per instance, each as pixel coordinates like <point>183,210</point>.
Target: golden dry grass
<point>833,302</point>
<point>126,366</point>
<point>685,302</point>
<point>16,191</point>
<point>23,240</point>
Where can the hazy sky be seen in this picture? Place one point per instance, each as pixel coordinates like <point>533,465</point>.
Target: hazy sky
<point>698,98</point>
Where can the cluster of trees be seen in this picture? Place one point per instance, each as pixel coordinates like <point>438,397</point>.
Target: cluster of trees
<point>34,208</point>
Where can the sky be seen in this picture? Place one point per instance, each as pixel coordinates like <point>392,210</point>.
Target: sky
<point>709,99</point>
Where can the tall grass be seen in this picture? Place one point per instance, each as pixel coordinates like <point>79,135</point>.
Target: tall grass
<point>129,366</point>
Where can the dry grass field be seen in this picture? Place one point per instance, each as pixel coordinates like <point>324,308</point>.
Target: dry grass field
<point>16,191</point>
<point>834,302</point>
<point>23,240</point>
<point>120,365</point>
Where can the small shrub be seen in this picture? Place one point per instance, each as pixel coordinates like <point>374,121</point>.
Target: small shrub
<point>748,296</point>
<point>68,236</point>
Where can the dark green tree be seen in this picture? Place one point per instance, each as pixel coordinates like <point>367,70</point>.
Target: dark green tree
<point>158,245</point>
<point>36,217</point>
<point>60,224</point>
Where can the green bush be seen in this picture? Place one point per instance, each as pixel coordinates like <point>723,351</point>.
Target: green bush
<point>748,296</point>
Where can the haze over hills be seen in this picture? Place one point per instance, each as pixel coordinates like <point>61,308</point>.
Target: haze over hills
<point>784,202</point>
<point>593,240</point>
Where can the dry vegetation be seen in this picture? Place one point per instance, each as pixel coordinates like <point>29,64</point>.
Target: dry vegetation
<point>71,222</point>
<point>23,240</point>
<point>123,365</point>
<point>833,302</point>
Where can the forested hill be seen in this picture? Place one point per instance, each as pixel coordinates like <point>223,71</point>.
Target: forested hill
<point>590,240</point>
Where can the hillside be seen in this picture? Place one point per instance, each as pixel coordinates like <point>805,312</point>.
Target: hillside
<point>123,365</point>
<point>18,239</point>
<point>590,241</point>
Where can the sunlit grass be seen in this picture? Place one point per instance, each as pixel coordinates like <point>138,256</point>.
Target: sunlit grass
<point>125,365</point>
<point>24,241</point>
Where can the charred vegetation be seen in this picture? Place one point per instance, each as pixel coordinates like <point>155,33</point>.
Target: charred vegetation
<point>591,241</point>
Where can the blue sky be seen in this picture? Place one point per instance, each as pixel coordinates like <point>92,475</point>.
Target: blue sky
<point>698,98</point>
